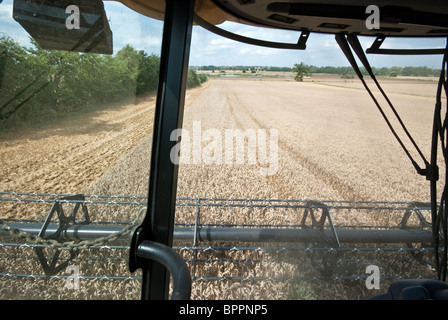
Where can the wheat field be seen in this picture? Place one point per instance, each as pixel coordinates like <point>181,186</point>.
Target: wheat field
<point>332,145</point>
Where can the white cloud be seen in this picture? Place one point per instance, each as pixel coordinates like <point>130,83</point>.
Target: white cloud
<point>6,7</point>
<point>153,40</point>
<point>221,43</point>
<point>9,26</point>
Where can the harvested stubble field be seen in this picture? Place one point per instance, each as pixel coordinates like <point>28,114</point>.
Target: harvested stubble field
<point>332,145</point>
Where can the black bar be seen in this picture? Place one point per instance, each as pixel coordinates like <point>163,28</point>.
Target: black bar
<point>375,49</point>
<point>256,234</point>
<point>303,235</point>
<point>173,262</point>
<point>158,224</point>
<point>256,42</point>
<point>403,52</point>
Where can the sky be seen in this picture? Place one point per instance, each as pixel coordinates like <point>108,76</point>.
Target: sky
<point>207,48</point>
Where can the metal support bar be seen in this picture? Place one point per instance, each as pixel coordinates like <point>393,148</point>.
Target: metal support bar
<point>74,232</point>
<point>199,234</point>
<point>300,45</point>
<point>375,49</point>
<point>159,221</point>
<point>303,235</point>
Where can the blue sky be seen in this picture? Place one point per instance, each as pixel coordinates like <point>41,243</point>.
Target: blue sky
<point>322,49</point>
<point>209,49</point>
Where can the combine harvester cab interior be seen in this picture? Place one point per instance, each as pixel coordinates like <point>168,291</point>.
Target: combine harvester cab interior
<point>164,252</point>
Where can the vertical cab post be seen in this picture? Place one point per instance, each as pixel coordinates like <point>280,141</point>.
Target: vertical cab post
<point>158,225</point>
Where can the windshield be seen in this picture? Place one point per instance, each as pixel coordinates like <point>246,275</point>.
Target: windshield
<point>290,185</point>
<point>278,143</point>
<point>71,120</point>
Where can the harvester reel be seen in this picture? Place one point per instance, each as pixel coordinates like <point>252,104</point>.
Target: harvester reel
<point>316,216</point>
<point>50,265</point>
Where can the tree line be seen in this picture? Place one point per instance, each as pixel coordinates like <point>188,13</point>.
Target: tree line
<point>381,72</point>
<point>241,68</point>
<point>342,71</point>
<point>42,84</point>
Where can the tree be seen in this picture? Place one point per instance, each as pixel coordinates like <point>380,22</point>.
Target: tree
<point>302,70</point>
<point>147,77</point>
<point>194,79</point>
<point>394,71</point>
<point>42,84</point>
<point>21,81</point>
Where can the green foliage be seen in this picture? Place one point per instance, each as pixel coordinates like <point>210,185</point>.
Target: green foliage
<point>41,83</point>
<point>347,72</point>
<point>344,72</point>
<point>243,69</point>
<point>194,79</point>
<point>301,70</point>
<point>148,71</point>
